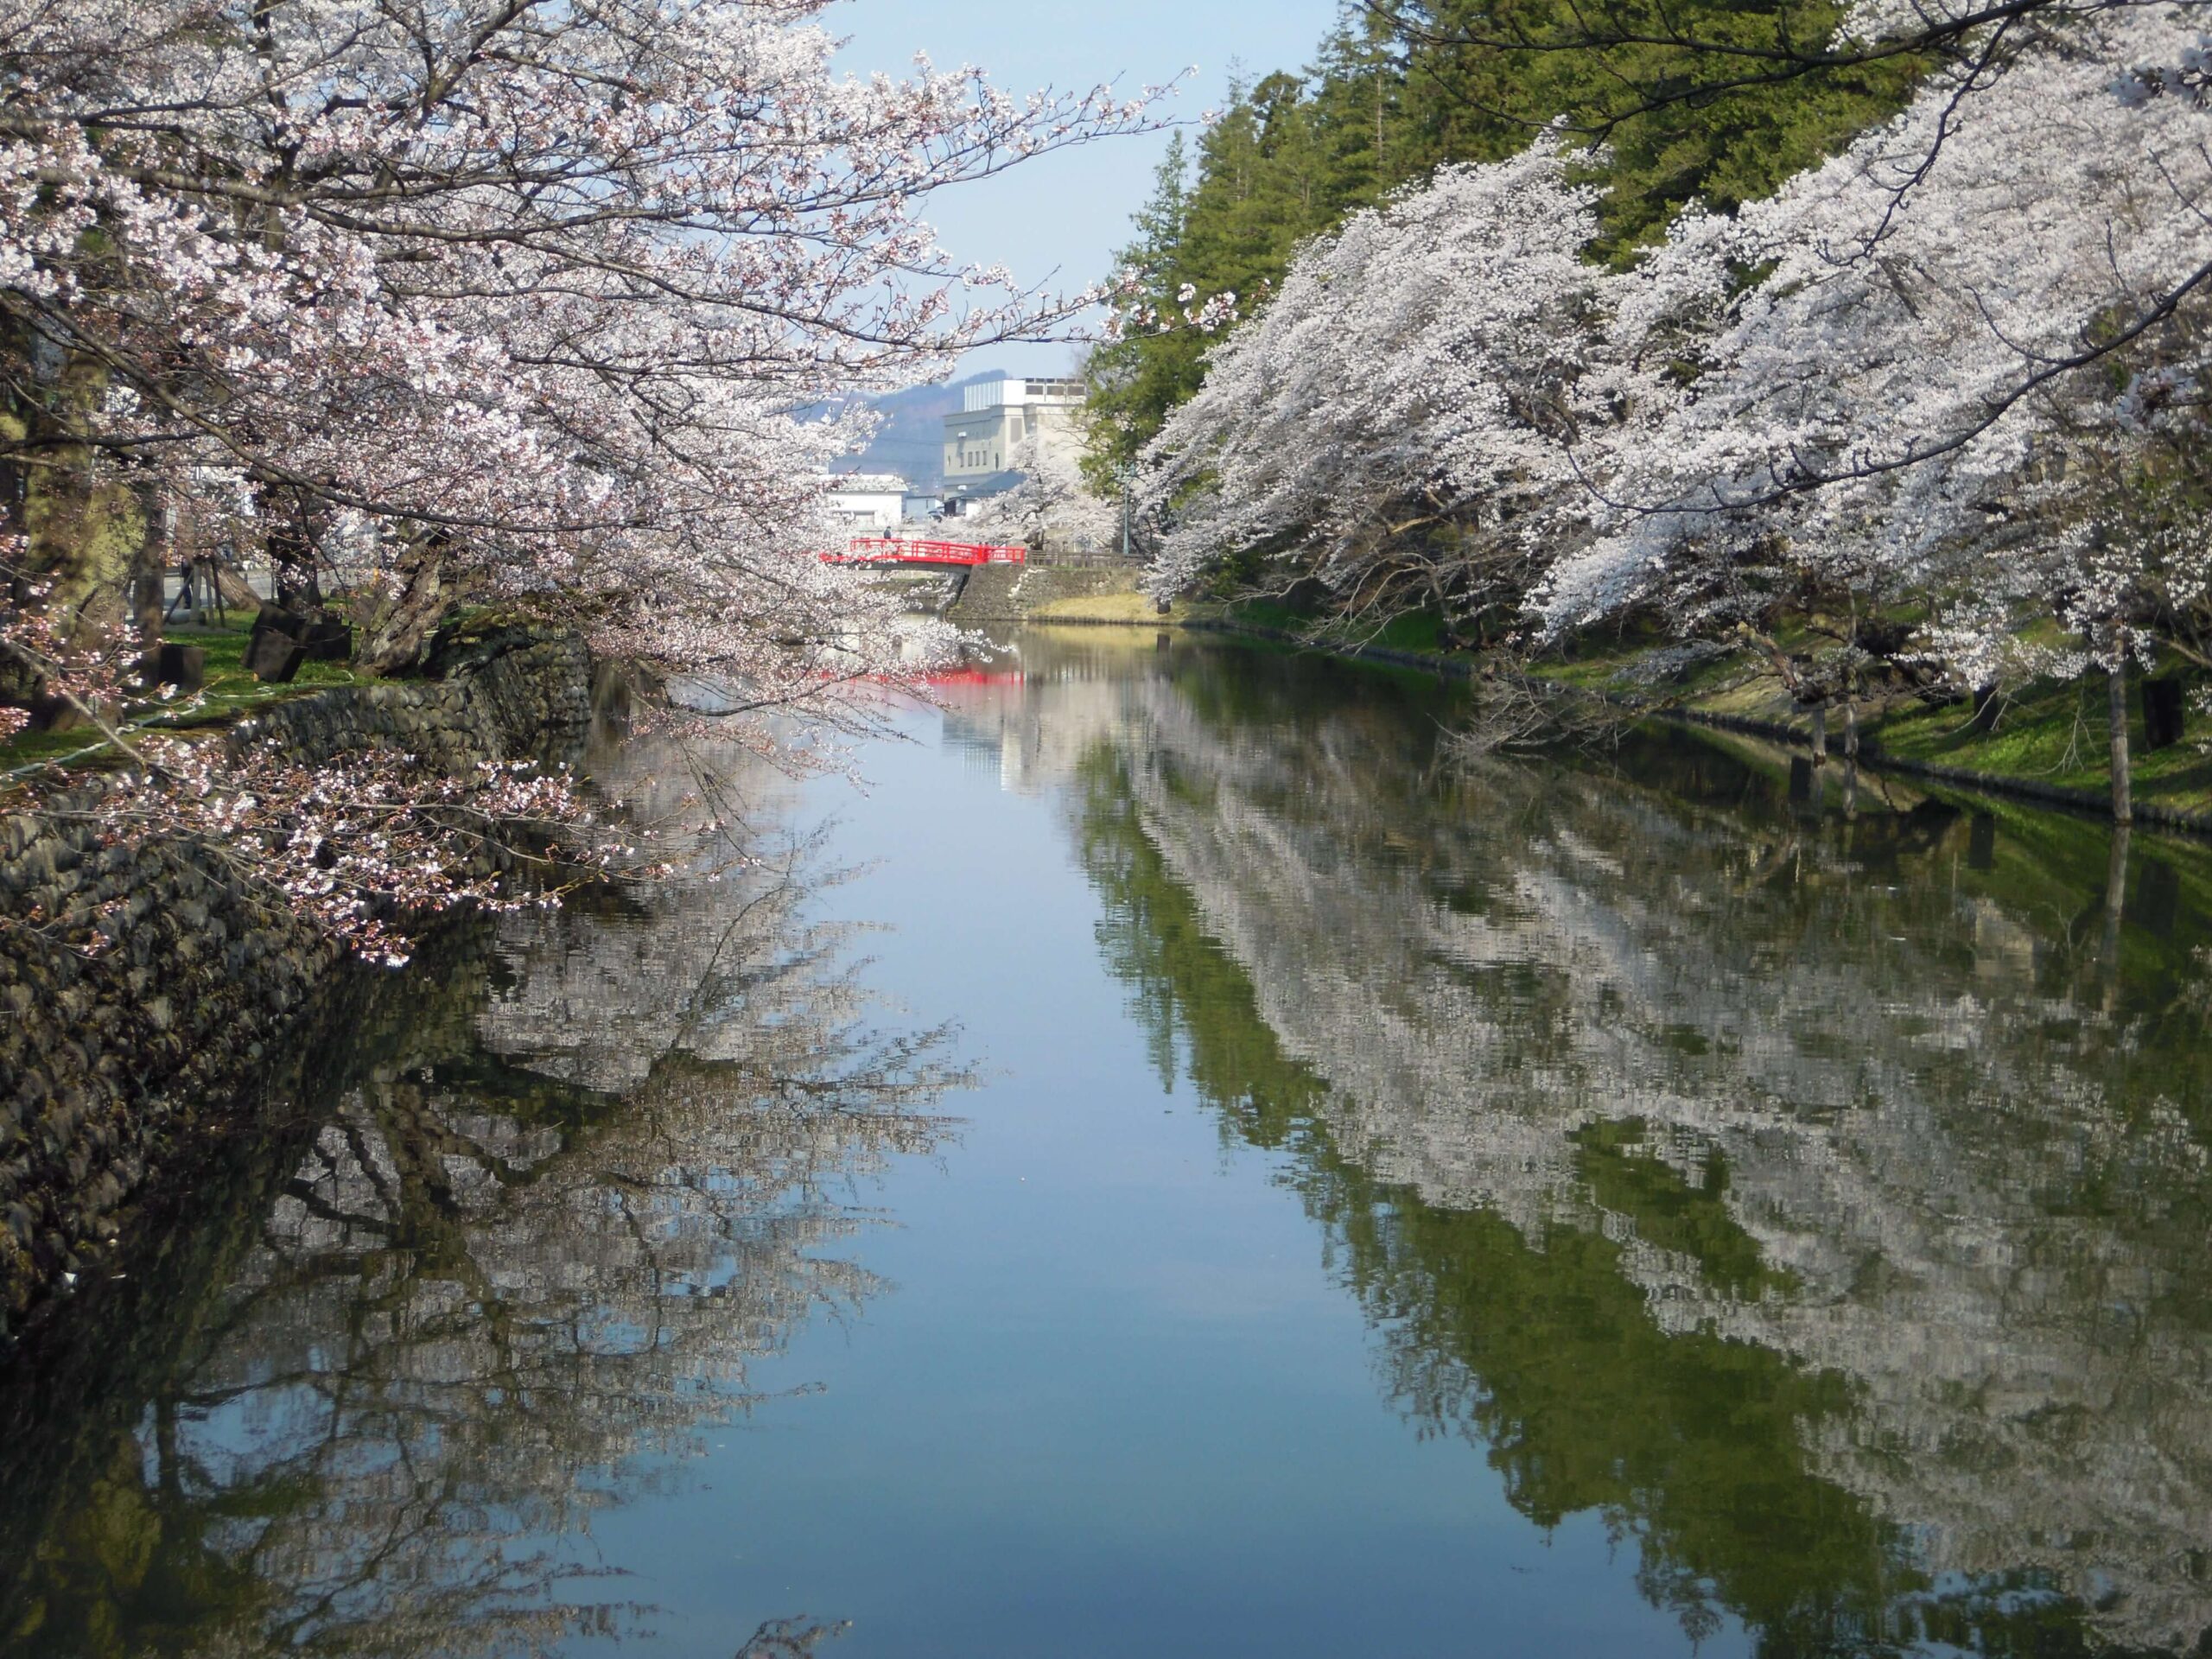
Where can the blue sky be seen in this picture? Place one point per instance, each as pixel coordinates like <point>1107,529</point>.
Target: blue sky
<point>1066,213</point>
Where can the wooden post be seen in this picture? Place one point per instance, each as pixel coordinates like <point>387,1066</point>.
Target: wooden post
<point>2123,800</point>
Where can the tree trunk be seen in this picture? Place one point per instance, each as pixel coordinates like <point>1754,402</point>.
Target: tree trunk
<point>399,615</point>
<point>85,530</point>
<point>17,684</point>
<point>149,583</point>
<point>1820,735</point>
<point>84,527</point>
<point>295,581</point>
<point>149,576</point>
<point>2123,800</point>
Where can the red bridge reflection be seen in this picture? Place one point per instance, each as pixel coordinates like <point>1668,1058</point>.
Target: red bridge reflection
<point>968,677</point>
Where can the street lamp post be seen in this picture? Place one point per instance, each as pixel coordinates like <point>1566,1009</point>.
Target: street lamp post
<point>1128,474</point>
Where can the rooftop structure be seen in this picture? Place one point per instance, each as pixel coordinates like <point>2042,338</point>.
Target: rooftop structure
<point>995,394</point>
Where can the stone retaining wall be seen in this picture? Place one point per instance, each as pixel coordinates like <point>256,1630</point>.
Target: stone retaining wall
<point>112,1066</point>
<point>1010,593</point>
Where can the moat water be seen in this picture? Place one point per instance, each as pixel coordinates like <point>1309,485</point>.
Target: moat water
<point>1180,1164</point>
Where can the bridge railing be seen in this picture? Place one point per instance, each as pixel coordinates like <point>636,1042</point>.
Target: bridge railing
<point>899,550</point>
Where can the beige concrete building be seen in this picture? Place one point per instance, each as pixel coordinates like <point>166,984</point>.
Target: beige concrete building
<point>984,439</point>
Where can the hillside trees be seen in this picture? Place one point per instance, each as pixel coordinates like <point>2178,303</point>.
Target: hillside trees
<point>1286,158</point>
<point>1714,102</point>
<point>1664,89</point>
<point>1272,169</point>
<point>501,300</point>
<point>1135,380</point>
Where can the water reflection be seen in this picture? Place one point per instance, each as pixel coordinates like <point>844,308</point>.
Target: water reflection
<point>1807,1182</point>
<point>1819,1197</point>
<point>553,1195</point>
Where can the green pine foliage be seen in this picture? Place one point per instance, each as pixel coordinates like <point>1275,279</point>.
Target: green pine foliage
<point>1719,100</point>
<point>1133,383</point>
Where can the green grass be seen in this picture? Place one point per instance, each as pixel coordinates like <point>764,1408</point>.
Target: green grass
<point>1587,671</point>
<point>2051,733</point>
<point>230,692</point>
<point>230,687</point>
<point>1413,631</point>
<point>48,748</point>
<point>1266,613</point>
<point>2054,734</point>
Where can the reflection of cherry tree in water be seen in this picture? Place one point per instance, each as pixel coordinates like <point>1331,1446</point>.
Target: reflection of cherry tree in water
<point>788,1638</point>
<point>510,1262</point>
<point>1821,1203</point>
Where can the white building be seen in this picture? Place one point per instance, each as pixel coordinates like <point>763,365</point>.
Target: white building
<point>984,439</point>
<point>866,504</point>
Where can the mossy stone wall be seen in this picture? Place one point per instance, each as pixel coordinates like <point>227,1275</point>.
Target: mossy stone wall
<point>114,1065</point>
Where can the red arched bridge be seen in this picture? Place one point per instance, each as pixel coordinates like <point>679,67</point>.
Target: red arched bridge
<point>899,550</point>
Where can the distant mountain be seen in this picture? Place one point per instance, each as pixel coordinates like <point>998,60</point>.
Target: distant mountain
<point>911,441</point>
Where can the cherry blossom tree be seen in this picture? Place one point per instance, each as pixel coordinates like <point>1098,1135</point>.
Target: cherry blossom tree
<point>1933,396</point>
<point>1964,382</point>
<point>1399,422</point>
<point>499,301</point>
<point>1052,507</point>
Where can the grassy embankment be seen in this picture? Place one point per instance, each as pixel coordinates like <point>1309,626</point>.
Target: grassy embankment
<point>230,692</point>
<point>1131,608</point>
<point>2047,735</point>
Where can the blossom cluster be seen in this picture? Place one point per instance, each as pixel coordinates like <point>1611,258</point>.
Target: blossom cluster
<point>1051,503</point>
<point>1957,369</point>
<point>1132,314</point>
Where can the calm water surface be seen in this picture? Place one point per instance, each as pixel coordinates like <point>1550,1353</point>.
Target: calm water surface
<point>1178,1167</point>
